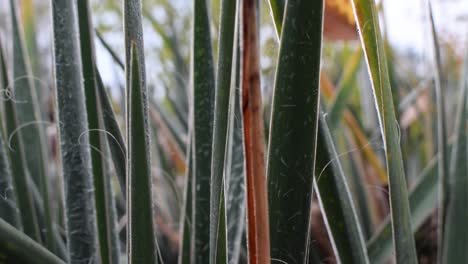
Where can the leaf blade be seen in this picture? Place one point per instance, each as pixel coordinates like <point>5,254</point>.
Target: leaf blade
<point>293,130</point>
<point>366,16</point>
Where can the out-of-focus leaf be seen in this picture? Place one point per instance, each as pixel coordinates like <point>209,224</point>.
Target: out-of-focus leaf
<point>368,24</point>
<point>345,86</point>
<point>423,200</point>
<point>326,87</point>
<point>19,248</point>
<point>28,113</point>
<point>8,200</point>
<point>28,220</point>
<point>455,240</point>
<point>336,202</point>
<point>441,134</point>
<point>109,49</point>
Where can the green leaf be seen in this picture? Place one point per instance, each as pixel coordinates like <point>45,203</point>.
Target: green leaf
<point>28,219</point>
<point>203,104</point>
<point>185,249</point>
<point>277,12</point>
<point>220,126</point>
<point>141,242</point>
<point>8,200</point>
<point>293,130</point>
<point>371,39</point>
<point>114,137</point>
<point>28,114</point>
<point>73,129</point>
<point>109,252</point>
<point>345,88</point>
<point>423,201</point>
<point>455,240</point>
<point>234,166</point>
<point>164,120</point>
<point>16,247</point>
<point>336,202</point>
<point>441,134</point>
<point>109,49</point>
<point>170,40</point>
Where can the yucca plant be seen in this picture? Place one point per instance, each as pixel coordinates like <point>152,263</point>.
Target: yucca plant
<point>242,149</point>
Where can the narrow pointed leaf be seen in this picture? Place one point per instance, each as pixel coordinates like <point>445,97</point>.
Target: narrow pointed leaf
<point>203,107</point>
<point>28,112</point>
<point>441,135</point>
<point>371,39</point>
<point>102,197</point>
<point>8,200</point>
<point>141,245</point>
<point>234,166</point>
<point>8,197</point>
<point>109,49</point>
<point>20,173</point>
<point>336,202</point>
<point>293,130</point>
<point>141,242</point>
<point>115,139</point>
<point>74,141</point>
<point>185,250</point>
<point>220,124</point>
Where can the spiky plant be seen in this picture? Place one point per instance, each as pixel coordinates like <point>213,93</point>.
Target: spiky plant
<point>240,151</point>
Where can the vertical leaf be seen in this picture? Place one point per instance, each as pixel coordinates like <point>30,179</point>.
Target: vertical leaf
<point>254,146</point>
<point>141,245</point>
<point>141,242</point>
<point>234,166</point>
<point>102,195</point>
<point>293,130</point>
<point>455,240</point>
<point>27,215</point>
<point>115,139</point>
<point>28,113</point>
<point>441,136</point>
<point>74,141</point>
<point>8,200</point>
<point>336,202</point>
<point>203,98</point>
<point>220,124</point>
<point>368,24</point>
<point>185,249</point>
